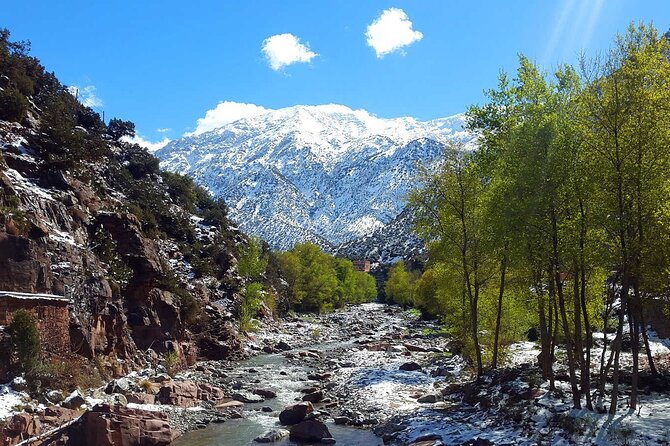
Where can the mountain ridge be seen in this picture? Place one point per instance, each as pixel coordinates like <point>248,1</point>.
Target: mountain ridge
<point>326,174</point>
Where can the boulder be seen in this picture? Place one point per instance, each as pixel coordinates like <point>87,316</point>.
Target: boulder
<point>178,393</point>
<point>410,366</point>
<point>74,400</point>
<point>342,420</point>
<point>429,398</point>
<point>295,413</point>
<point>266,393</point>
<point>313,397</point>
<point>55,396</point>
<point>55,415</point>
<point>230,405</point>
<point>120,385</point>
<point>209,393</point>
<point>141,398</point>
<point>23,425</point>
<point>247,397</point>
<point>311,431</point>
<point>415,348</point>
<point>283,346</point>
<point>272,436</point>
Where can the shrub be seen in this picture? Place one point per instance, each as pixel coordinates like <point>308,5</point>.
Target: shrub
<point>25,340</point>
<point>65,374</point>
<point>13,105</point>
<point>171,362</point>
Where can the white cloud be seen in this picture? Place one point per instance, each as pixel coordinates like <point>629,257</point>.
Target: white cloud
<point>391,31</point>
<point>282,50</point>
<point>86,95</point>
<point>163,129</point>
<point>224,113</point>
<point>150,146</point>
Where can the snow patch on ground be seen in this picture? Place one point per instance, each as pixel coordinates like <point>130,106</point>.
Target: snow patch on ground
<point>10,399</point>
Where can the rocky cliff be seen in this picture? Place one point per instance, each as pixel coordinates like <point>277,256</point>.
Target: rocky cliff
<point>147,259</point>
<point>132,287</point>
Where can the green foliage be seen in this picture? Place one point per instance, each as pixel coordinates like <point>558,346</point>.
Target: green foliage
<point>13,105</point>
<point>25,340</point>
<point>65,375</point>
<point>251,262</point>
<point>252,298</point>
<point>172,362</point>
<point>106,248</point>
<point>319,282</point>
<point>400,286</point>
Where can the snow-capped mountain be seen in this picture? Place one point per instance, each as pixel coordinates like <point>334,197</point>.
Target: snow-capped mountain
<point>327,173</point>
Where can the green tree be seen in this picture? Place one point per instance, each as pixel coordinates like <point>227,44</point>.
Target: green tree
<point>251,265</point>
<point>25,340</point>
<point>398,287</point>
<point>118,128</point>
<point>13,105</point>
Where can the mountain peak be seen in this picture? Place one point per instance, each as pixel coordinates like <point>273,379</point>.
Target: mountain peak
<point>324,173</point>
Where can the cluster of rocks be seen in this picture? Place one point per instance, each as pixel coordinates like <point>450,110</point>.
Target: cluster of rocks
<point>305,424</point>
<point>142,408</point>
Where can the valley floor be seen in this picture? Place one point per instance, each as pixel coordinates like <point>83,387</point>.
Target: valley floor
<point>384,377</point>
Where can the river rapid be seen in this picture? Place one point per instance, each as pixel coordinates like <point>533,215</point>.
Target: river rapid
<point>357,357</point>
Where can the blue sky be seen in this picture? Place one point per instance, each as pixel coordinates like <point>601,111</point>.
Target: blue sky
<point>164,64</point>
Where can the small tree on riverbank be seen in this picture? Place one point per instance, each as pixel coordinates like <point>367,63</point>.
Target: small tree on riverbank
<point>25,340</point>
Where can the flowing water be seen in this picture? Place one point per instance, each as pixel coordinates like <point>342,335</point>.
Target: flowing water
<point>363,347</point>
<point>277,372</point>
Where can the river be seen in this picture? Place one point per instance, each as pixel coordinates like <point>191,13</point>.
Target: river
<point>360,348</point>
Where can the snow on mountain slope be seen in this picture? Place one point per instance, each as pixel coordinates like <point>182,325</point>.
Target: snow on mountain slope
<point>327,173</point>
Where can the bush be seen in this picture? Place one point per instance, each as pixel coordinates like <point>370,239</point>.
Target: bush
<point>64,374</point>
<point>25,340</point>
<point>171,362</point>
<point>13,105</point>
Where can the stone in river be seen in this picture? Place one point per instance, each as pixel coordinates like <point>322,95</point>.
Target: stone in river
<point>311,430</point>
<point>295,413</point>
<point>272,436</point>
<point>284,346</point>
<point>428,398</point>
<point>313,397</point>
<point>266,393</point>
<point>410,366</point>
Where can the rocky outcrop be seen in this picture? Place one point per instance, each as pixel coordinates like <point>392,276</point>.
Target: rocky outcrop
<point>24,265</point>
<point>188,394</point>
<point>106,425</point>
<point>18,427</point>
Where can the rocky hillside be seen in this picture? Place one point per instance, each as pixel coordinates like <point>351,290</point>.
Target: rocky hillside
<point>148,259</point>
<point>326,174</point>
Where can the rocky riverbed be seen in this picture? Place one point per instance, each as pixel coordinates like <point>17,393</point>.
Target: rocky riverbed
<point>376,374</point>
<point>367,375</point>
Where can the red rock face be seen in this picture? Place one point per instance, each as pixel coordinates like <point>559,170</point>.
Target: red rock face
<point>18,427</point>
<point>24,265</point>
<point>188,393</point>
<point>120,426</point>
<point>53,320</point>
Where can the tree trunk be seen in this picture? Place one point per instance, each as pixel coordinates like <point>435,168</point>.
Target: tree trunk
<point>616,348</point>
<point>503,268</point>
